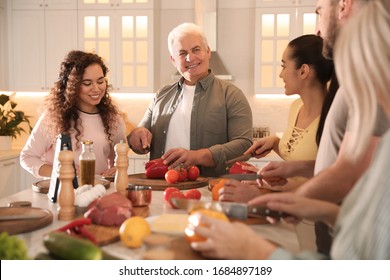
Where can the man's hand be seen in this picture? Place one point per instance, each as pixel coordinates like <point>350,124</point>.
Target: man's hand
<point>139,140</point>
<point>181,157</point>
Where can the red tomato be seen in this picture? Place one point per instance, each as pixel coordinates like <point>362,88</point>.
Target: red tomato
<point>182,174</point>
<point>176,194</point>
<point>193,173</point>
<point>172,176</point>
<point>193,194</point>
<point>168,191</point>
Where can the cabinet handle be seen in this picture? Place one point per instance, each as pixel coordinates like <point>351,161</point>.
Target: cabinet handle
<point>8,164</point>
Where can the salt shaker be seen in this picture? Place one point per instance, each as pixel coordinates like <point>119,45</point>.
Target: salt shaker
<point>121,163</point>
<point>66,209</point>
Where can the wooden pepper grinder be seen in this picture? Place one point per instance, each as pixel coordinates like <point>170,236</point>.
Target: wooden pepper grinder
<point>66,209</point>
<point>121,163</point>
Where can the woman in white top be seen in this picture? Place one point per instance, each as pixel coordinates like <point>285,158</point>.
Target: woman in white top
<point>78,104</point>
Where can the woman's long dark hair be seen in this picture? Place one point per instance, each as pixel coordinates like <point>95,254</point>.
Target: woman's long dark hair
<point>62,102</point>
<point>307,49</point>
<point>333,87</point>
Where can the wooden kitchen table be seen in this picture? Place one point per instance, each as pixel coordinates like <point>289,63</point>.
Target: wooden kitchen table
<point>283,234</point>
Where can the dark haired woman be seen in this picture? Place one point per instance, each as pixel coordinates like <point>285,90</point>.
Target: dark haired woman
<point>304,72</point>
<point>78,104</point>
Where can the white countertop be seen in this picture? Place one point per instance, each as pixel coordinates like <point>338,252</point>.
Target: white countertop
<point>283,234</point>
<point>4,155</point>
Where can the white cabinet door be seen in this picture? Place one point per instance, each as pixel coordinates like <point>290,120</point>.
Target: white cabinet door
<point>125,41</point>
<point>114,4</point>
<point>40,40</point>
<point>27,179</point>
<point>60,38</point>
<point>28,51</point>
<point>139,165</point>
<point>43,4</point>
<point>9,173</point>
<point>275,27</point>
<point>3,48</point>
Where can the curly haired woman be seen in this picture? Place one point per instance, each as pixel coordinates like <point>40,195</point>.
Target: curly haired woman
<point>78,104</point>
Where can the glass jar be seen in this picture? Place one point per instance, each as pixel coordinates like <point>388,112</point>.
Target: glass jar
<point>87,164</point>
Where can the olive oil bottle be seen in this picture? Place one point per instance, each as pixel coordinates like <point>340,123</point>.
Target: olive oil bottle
<point>87,164</point>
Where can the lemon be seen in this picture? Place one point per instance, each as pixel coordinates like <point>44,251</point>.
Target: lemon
<point>133,230</point>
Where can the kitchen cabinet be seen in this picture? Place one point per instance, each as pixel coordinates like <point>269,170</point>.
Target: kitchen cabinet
<point>13,177</point>
<point>41,33</point>
<point>125,40</point>
<point>115,4</point>
<point>3,46</point>
<point>46,4</point>
<point>123,35</point>
<point>27,179</point>
<point>277,23</point>
<point>137,163</point>
<point>9,183</point>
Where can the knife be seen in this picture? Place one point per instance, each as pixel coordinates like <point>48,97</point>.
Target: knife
<point>244,157</point>
<point>239,158</point>
<point>241,211</point>
<point>243,176</point>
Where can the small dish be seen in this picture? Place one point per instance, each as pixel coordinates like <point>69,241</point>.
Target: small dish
<point>109,178</point>
<point>44,185</point>
<point>139,195</point>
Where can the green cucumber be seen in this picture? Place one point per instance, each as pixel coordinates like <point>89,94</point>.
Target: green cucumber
<point>67,247</point>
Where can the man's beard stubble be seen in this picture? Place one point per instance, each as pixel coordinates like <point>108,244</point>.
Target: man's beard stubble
<point>331,37</point>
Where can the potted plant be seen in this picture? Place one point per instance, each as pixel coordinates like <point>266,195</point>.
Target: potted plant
<point>11,121</point>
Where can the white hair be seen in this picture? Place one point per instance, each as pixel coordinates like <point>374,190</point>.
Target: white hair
<point>362,61</point>
<point>183,30</point>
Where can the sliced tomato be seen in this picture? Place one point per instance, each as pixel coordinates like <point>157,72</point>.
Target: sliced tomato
<point>168,191</point>
<point>193,194</point>
<point>176,194</point>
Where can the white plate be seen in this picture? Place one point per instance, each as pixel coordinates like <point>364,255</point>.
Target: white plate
<point>172,224</point>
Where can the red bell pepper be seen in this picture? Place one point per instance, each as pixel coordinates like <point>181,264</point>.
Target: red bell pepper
<point>237,168</point>
<point>152,162</point>
<point>156,169</point>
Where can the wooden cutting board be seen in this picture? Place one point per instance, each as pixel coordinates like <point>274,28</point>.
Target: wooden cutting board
<point>161,184</point>
<point>106,235</point>
<point>43,217</point>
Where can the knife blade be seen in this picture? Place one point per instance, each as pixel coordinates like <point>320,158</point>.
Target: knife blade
<point>243,176</point>
<point>239,158</point>
<point>245,157</point>
<point>241,211</point>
